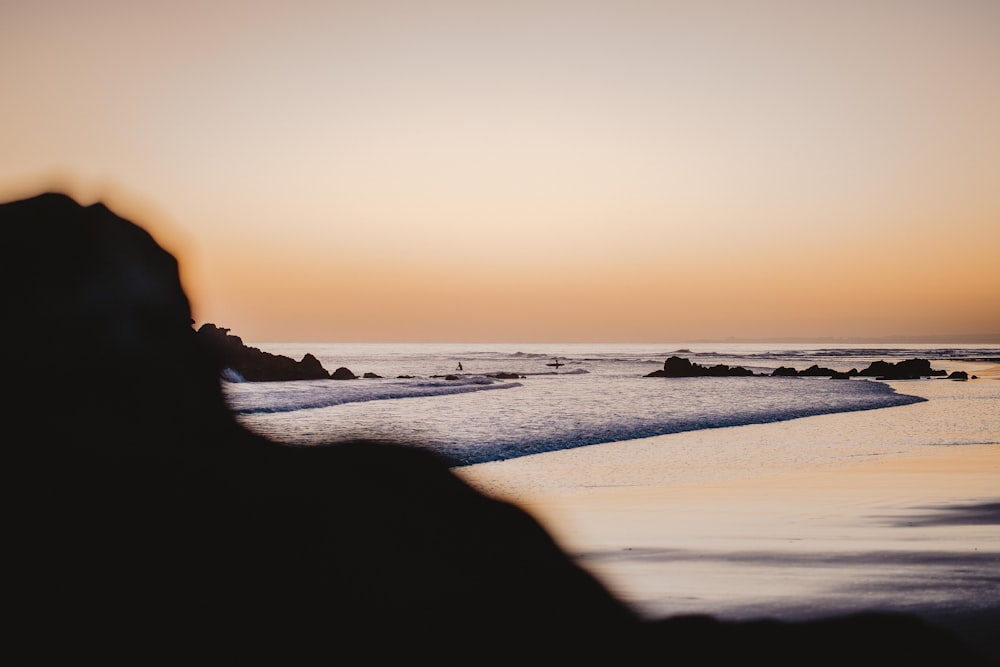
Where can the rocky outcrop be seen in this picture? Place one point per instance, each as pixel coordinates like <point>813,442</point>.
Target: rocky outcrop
<point>676,367</point>
<point>343,373</point>
<point>817,371</point>
<point>679,367</point>
<point>910,369</point>
<point>254,365</point>
<point>150,527</point>
<point>814,371</point>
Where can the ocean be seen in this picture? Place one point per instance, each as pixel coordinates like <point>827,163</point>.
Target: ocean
<point>549,397</point>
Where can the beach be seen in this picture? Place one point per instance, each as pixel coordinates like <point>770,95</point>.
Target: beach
<point>901,513</point>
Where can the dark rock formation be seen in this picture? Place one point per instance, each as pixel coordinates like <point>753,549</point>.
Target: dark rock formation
<point>372,376</point>
<point>959,375</point>
<point>146,526</point>
<point>817,371</point>
<point>679,367</point>
<point>676,366</point>
<point>343,374</point>
<point>814,371</point>
<point>910,369</point>
<point>255,365</point>
<point>722,370</point>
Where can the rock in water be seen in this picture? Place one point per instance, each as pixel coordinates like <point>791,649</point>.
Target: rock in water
<point>909,369</point>
<point>255,365</point>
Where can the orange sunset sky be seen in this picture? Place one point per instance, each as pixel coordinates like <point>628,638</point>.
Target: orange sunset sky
<point>531,171</point>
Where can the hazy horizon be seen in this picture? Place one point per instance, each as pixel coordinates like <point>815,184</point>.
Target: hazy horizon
<point>902,340</point>
<point>545,171</point>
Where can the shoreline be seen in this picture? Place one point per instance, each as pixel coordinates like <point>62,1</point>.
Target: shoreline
<point>895,509</point>
<point>734,453</point>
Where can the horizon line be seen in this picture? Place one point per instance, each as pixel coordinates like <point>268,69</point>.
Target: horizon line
<point>965,339</point>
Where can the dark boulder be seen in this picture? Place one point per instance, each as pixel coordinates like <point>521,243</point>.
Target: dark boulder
<point>255,365</point>
<point>959,375</point>
<point>817,371</point>
<point>814,371</point>
<point>722,370</point>
<point>676,366</point>
<point>909,369</point>
<point>343,373</point>
<point>151,527</point>
<point>679,367</point>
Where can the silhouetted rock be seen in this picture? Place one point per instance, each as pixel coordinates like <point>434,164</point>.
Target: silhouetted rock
<point>722,370</point>
<point>817,371</point>
<point>372,376</point>
<point>910,369</point>
<point>255,365</point>
<point>146,525</point>
<point>676,366</point>
<point>152,527</point>
<point>343,373</point>
<point>959,375</point>
<point>814,371</point>
<point>679,367</point>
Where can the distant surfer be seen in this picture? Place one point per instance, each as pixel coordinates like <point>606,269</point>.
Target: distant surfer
<point>459,366</point>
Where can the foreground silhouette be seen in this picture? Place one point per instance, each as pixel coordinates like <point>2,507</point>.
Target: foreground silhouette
<point>149,526</point>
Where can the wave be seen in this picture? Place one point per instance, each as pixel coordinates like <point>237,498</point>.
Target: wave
<point>577,430</point>
<point>878,353</point>
<point>273,397</point>
<point>575,371</point>
<point>545,416</point>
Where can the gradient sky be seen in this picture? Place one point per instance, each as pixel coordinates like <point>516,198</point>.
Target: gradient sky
<point>531,171</point>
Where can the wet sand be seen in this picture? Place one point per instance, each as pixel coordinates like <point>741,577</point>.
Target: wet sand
<point>895,509</point>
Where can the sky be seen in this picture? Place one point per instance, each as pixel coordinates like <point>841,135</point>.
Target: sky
<point>543,171</point>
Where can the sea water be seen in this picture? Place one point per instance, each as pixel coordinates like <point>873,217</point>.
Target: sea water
<point>448,397</point>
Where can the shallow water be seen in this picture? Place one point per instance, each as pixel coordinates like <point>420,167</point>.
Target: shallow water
<point>598,394</point>
<point>889,510</point>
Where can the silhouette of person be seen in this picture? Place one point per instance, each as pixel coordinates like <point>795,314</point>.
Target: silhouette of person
<point>459,366</point>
